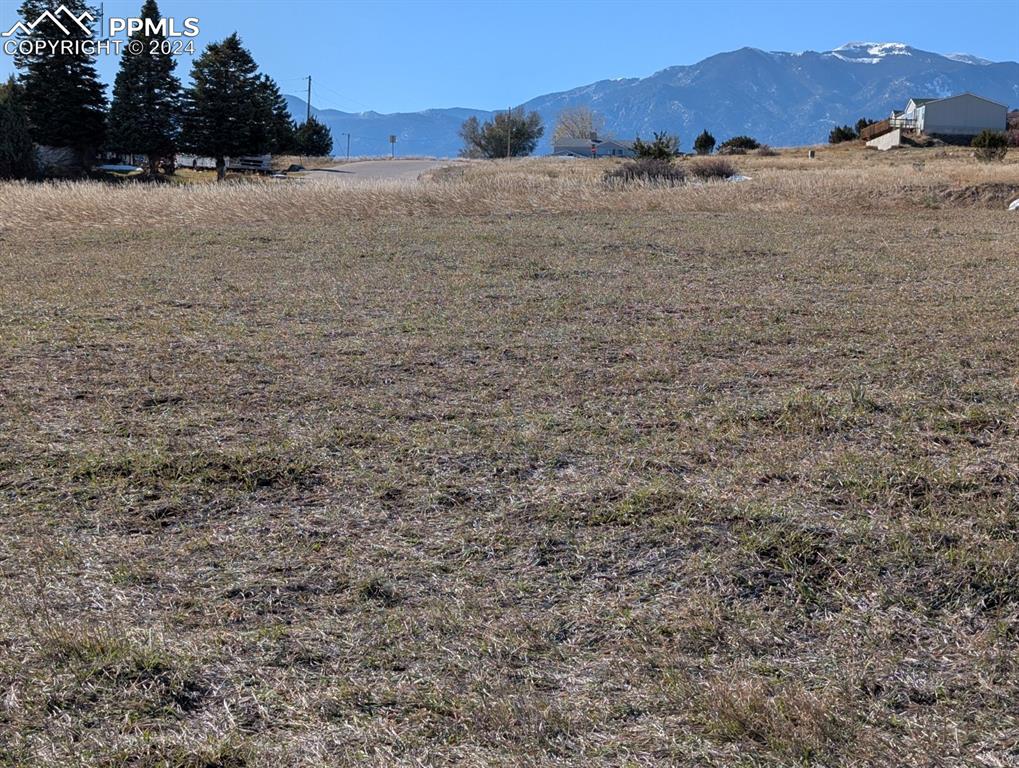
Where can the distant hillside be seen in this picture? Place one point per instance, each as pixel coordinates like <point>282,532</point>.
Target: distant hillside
<point>781,98</point>
<point>432,132</point>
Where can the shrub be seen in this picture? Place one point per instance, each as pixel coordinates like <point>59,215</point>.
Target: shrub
<point>765,151</point>
<point>1013,128</point>
<point>841,133</point>
<point>664,147</point>
<point>990,145</point>
<point>713,168</point>
<point>738,145</point>
<point>704,144</point>
<point>647,169</point>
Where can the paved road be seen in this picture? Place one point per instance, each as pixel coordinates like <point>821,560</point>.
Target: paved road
<point>376,170</point>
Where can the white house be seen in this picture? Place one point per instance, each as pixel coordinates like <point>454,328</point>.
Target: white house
<point>962,115</point>
<point>955,119</point>
<point>593,147</point>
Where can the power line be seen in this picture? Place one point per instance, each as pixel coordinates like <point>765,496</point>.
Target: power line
<point>344,99</point>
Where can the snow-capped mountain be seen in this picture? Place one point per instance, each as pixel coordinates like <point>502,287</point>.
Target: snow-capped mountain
<point>780,98</point>
<point>967,58</point>
<point>869,53</point>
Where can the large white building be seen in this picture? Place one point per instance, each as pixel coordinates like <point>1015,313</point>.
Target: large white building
<point>954,119</point>
<point>962,115</point>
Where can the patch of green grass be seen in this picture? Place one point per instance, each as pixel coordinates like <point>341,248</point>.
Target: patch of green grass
<point>918,485</point>
<point>226,752</point>
<point>108,677</point>
<point>784,558</point>
<point>165,470</point>
<point>810,413</point>
<point>783,718</point>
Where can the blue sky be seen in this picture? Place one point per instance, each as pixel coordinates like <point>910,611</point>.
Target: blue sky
<point>405,56</point>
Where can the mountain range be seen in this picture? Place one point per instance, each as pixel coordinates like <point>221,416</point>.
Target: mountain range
<point>782,99</point>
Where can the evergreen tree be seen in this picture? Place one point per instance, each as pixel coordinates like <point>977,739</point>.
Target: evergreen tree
<point>704,143</point>
<point>842,133</point>
<point>17,153</point>
<point>63,98</point>
<point>226,113</point>
<point>282,136</point>
<point>862,123</point>
<point>314,139</point>
<point>738,145</point>
<point>508,133</point>
<point>664,147</point>
<point>144,115</point>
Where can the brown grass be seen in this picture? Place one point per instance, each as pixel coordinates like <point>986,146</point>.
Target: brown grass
<point>872,181</point>
<point>509,468</point>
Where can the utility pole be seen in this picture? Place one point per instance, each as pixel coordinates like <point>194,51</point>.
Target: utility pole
<point>509,130</point>
<point>348,143</point>
<point>307,118</point>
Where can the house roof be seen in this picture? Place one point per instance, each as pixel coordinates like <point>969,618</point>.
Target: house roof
<point>585,144</point>
<point>921,102</point>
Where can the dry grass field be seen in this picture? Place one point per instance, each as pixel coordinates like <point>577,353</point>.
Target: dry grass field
<point>511,469</point>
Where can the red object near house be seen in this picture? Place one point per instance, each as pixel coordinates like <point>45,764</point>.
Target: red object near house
<point>594,150</point>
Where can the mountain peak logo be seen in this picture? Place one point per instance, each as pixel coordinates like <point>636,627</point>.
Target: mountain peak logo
<point>69,19</point>
<point>155,37</point>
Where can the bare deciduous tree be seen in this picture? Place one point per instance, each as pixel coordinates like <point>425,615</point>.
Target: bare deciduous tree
<point>577,123</point>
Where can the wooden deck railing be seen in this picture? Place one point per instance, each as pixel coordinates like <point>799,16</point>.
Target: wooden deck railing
<point>875,129</point>
<point>883,127</point>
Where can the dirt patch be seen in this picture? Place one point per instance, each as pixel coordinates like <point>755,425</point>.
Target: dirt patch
<point>995,195</point>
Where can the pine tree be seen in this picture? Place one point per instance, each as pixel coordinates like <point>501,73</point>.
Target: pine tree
<point>738,145</point>
<point>314,139</point>
<point>282,129</point>
<point>841,133</point>
<point>664,146</point>
<point>144,115</point>
<point>63,98</point>
<point>862,123</point>
<point>704,143</point>
<point>17,153</point>
<point>226,113</point>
